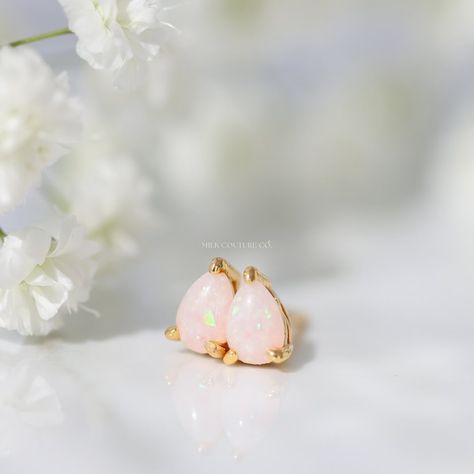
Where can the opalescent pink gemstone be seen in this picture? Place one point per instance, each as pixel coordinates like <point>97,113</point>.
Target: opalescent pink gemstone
<point>255,324</point>
<point>203,312</point>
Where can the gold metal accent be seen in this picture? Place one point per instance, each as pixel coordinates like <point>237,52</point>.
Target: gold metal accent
<point>172,333</point>
<point>216,349</point>
<point>220,265</point>
<point>230,357</point>
<point>252,274</point>
<point>280,355</point>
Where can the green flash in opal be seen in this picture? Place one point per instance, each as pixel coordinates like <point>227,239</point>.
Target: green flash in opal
<point>209,318</point>
<point>235,310</point>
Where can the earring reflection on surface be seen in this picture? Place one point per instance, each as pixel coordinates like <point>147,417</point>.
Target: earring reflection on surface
<point>219,406</point>
<point>28,402</point>
<point>201,319</point>
<point>259,328</point>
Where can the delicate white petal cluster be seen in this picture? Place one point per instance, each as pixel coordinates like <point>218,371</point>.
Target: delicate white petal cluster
<point>110,197</point>
<point>115,35</point>
<point>38,122</point>
<point>45,272</point>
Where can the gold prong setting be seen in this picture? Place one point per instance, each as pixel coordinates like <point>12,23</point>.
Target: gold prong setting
<point>215,349</point>
<point>231,357</point>
<point>279,356</point>
<point>172,333</point>
<point>252,274</point>
<point>220,265</point>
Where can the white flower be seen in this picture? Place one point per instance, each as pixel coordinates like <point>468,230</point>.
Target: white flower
<point>38,122</point>
<point>110,197</point>
<point>45,271</point>
<point>115,34</point>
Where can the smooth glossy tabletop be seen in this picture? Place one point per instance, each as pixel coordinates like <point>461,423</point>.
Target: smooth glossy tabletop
<point>380,381</point>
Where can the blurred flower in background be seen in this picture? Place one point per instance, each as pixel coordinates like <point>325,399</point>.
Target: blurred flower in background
<point>39,122</point>
<point>109,195</point>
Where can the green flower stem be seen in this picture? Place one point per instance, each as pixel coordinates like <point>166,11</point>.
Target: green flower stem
<point>32,39</point>
<point>2,234</point>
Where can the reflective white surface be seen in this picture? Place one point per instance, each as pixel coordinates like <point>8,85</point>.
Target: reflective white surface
<point>381,380</point>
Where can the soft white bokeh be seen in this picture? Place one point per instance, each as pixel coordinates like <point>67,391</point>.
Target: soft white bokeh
<point>453,180</point>
<point>110,196</point>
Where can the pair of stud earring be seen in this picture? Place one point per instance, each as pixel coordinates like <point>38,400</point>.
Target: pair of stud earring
<point>229,321</point>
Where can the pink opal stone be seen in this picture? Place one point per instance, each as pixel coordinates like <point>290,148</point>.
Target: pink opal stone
<point>203,312</point>
<point>255,324</point>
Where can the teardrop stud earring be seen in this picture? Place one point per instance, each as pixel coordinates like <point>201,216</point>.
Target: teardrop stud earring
<point>202,316</point>
<point>258,326</point>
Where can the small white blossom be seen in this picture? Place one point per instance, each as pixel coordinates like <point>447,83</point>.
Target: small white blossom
<point>116,35</point>
<point>38,122</point>
<point>45,272</point>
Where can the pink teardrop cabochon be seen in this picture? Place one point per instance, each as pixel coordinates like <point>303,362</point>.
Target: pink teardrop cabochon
<point>204,311</point>
<point>255,324</point>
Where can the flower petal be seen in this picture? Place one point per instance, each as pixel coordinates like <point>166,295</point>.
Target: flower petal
<point>20,253</point>
<point>49,299</point>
